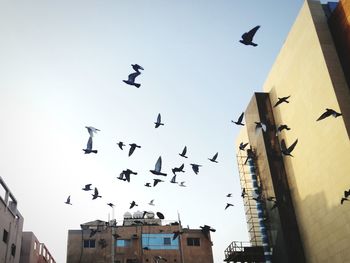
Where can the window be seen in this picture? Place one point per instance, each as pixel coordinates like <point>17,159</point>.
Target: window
<point>123,243</point>
<point>167,241</point>
<point>89,243</point>
<point>13,250</point>
<point>193,241</point>
<point>35,245</point>
<point>5,236</point>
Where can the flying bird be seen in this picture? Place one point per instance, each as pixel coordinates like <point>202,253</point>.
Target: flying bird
<point>228,205</point>
<point>239,121</point>
<point>158,168</point>
<point>244,193</point>
<point>260,125</point>
<point>132,204</point>
<point>173,180</point>
<point>91,130</point>
<point>132,76</point>
<point>247,37</point>
<point>127,174</point>
<point>159,121</point>
<point>229,195</point>
<point>95,195</point>
<point>287,151</point>
<point>178,169</point>
<point>195,167</point>
<point>68,201</point>
<point>205,230</point>
<point>182,184</point>
<point>133,146</point>
<point>327,113</point>
<point>87,187</point>
<point>111,205</point>
<point>242,146</point>
<point>121,145</point>
<point>214,158</point>
<point>89,147</point>
<point>183,154</point>
<point>281,100</point>
<point>346,193</point>
<point>151,202</point>
<point>148,184</point>
<point>282,127</point>
<point>176,234</point>
<point>156,181</point>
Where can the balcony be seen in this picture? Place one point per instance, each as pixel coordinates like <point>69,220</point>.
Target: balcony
<point>244,252</point>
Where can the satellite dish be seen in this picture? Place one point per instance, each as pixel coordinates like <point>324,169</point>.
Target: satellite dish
<point>160,215</point>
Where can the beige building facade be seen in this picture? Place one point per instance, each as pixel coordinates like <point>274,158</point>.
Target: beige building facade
<point>300,195</point>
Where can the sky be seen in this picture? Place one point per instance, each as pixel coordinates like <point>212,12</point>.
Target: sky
<point>61,69</point>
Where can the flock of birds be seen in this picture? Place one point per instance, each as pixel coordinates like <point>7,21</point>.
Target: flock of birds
<point>125,175</point>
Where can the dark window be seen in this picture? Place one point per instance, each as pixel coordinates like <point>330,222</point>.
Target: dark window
<point>13,250</point>
<point>5,236</point>
<point>167,241</point>
<point>89,243</point>
<point>193,241</point>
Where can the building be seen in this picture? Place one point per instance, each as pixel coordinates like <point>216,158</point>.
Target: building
<point>32,251</point>
<point>294,180</point>
<point>139,239</point>
<point>11,225</point>
<point>17,246</point>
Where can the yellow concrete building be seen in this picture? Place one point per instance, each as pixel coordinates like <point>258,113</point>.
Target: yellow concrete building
<point>296,199</point>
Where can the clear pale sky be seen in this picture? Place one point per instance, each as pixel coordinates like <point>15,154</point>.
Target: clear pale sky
<point>61,69</point>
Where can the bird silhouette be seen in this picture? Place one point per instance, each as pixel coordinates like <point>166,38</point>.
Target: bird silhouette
<point>178,169</point>
<point>214,158</point>
<point>111,205</point>
<point>127,174</point>
<point>151,202</point>
<point>229,195</point>
<point>158,168</point>
<point>173,180</point>
<point>247,37</point>
<point>95,195</point>
<point>195,167</point>
<point>89,147</point>
<point>287,151</point>
<point>239,121</point>
<point>132,76</point>
<point>91,130</point>
<point>281,100</point>
<point>156,181</point>
<point>132,204</point>
<point>328,113</point>
<point>133,146</point>
<point>228,205</point>
<point>121,176</point>
<point>206,229</point>
<point>244,193</point>
<point>282,127</point>
<point>148,184</point>
<point>68,201</point>
<point>183,154</point>
<point>242,146</point>
<point>159,121</point>
<point>260,125</point>
<point>182,184</point>
<point>121,145</point>
<point>87,187</point>
<point>93,232</point>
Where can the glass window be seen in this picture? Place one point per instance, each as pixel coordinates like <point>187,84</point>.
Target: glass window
<point>89,243</point>
<point>5,236</point>
<point>123,243</point>
<point>193,241</point>
<point>167,241</point>
<point>13,250</point>
<point>35,245</point>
